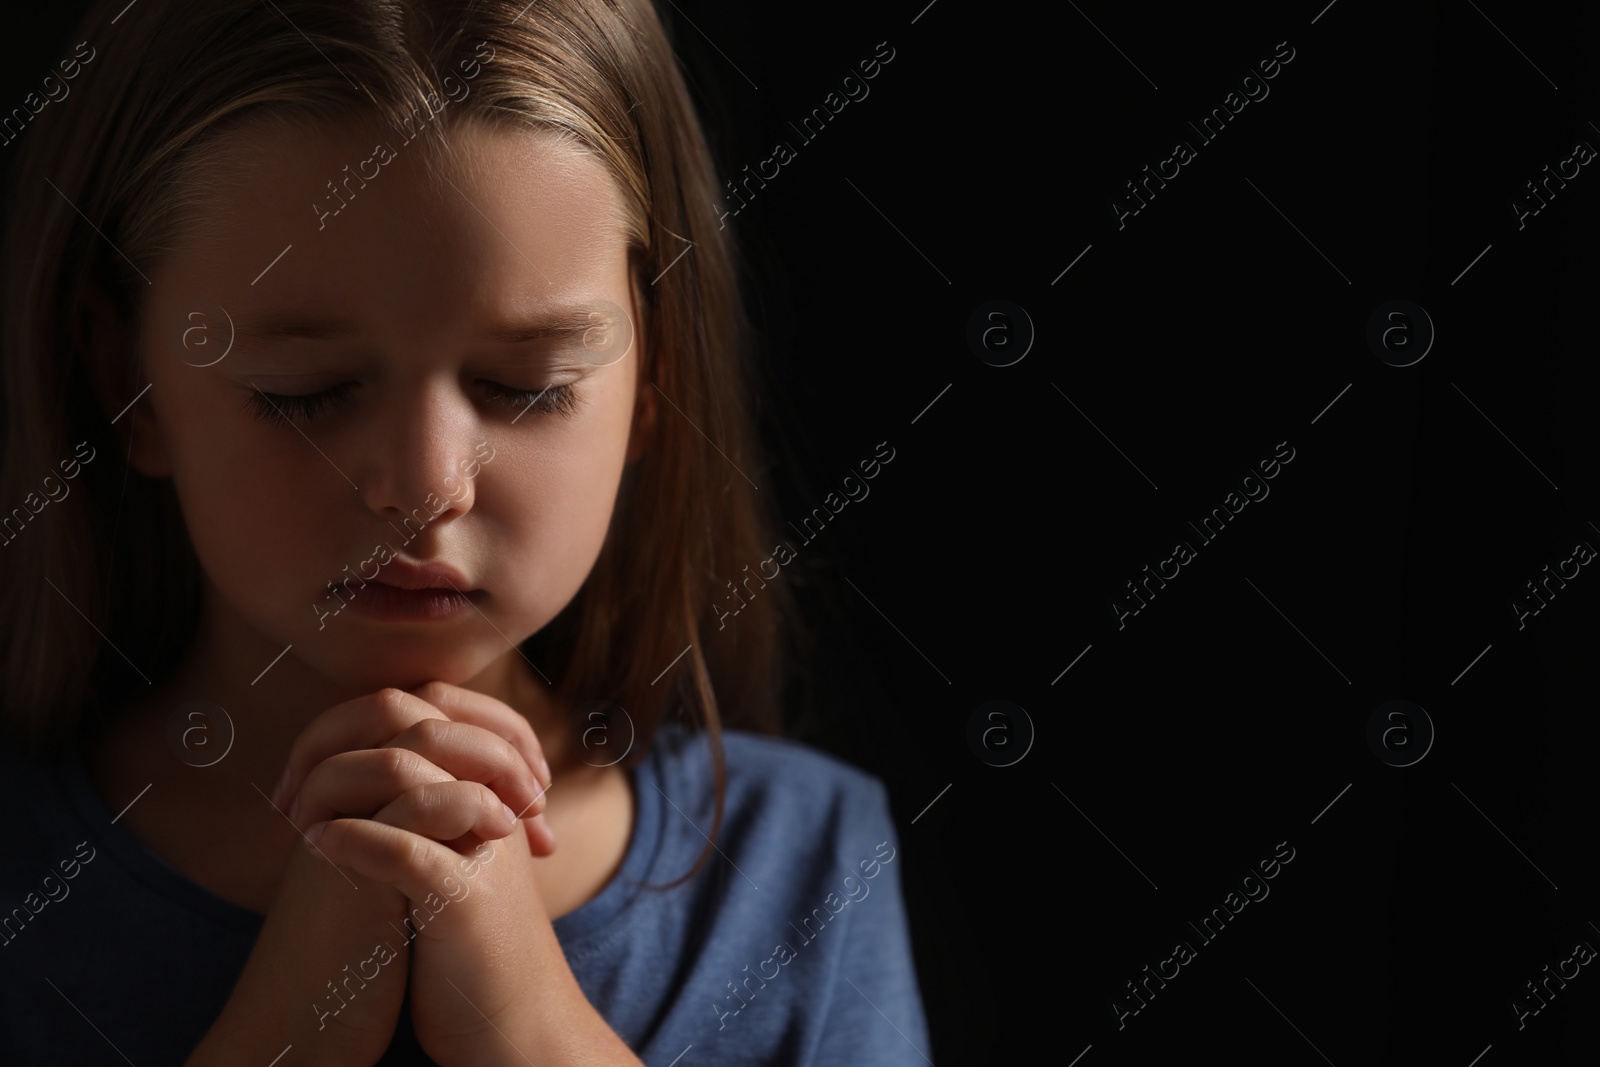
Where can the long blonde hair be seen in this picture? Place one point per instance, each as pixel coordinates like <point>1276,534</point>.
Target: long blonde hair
<point>99,191</point>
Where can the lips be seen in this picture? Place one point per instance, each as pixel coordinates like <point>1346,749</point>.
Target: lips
<point>408,592</point>
<point>441,576</point>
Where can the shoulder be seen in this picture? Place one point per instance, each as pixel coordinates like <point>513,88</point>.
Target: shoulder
<point>781,762</point>
<point>805,888</point>
<point>786,805</point>
<point>47,817</point>
<point>769,771</point>
<point>32,792</point>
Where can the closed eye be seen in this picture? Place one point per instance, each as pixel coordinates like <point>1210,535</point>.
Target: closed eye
<point>560,400</point>
<point>273,407</point>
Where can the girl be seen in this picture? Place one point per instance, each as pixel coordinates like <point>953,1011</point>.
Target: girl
<point>378,456</point>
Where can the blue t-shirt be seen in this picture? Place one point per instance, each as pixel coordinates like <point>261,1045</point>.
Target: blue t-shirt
<point>789,948</point>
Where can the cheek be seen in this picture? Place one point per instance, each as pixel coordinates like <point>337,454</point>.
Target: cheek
<point>247,495</point>
<point>557,489</point>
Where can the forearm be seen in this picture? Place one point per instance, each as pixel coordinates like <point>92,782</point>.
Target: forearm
<point>565,1031</point>
<point>248,1029</point>
<point>556,1025</point>
<point>240,1028</point>
<point>561,1030</point>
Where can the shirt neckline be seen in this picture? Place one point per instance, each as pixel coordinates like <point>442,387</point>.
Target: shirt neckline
<point>574,929</point>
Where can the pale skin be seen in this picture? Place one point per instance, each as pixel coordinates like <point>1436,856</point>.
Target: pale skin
<point>403,738</point>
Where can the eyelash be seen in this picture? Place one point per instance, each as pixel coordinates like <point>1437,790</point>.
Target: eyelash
<point>271,407</point>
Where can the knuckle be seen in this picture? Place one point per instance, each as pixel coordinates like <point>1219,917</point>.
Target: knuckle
<point>335,835</point>
<point>503,754</point>
<point>313,780</point>
<point>523,729</point>
<point>431,729</point>
<point>396,715</point>
<point>428,801</point>
<point>413,853</point>
<point>488,800</point>
<point>509,744</point>
<point>390,702</point>
<point>435,693</point>
<point>398,763</point>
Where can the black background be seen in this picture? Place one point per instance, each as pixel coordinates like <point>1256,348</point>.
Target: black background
<point>1219,321</point>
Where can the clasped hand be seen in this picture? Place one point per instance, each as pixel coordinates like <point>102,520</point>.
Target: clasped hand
<point>439,793</point>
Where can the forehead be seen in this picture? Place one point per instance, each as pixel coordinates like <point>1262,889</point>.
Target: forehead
<point>351,214</point>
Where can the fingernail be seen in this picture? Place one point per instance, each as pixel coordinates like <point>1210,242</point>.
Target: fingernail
<point>511,815</point>
<point>294,809</point>
<point>314,832</point>
<point>544,765</point>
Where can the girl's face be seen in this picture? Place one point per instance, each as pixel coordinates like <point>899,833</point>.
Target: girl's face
<point>422,310</point>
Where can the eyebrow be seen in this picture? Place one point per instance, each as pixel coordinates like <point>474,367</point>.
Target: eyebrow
<point>560,322</point>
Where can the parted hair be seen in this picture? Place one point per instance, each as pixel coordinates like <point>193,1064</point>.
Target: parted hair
<point>108,587</point>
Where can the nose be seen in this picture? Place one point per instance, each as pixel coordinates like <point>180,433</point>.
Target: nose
<point>419,451</point>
